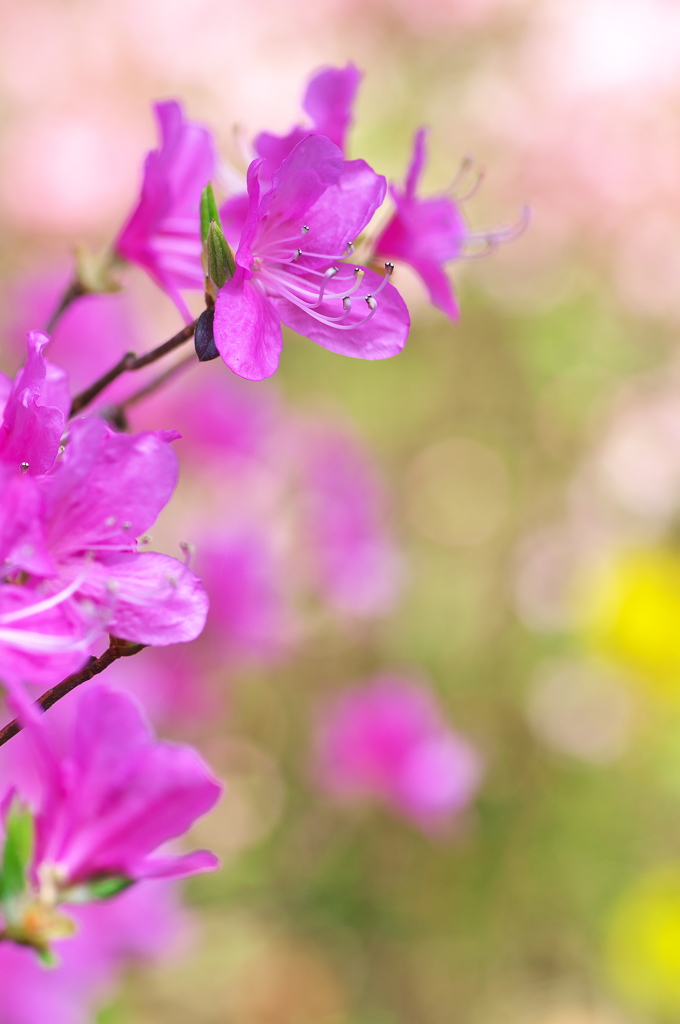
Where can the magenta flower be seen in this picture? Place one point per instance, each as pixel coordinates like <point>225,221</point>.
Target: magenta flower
<point>140,924</point>
<point>41,639</point>
<point>34,408</point>
<point>108,491</point>
<point>328,100</point>
<point>111,795</point>
<point>387,740</point>
<point>163,233</point>
<point>71,564</point>
<point>427,233</point>
<point>290,269</point>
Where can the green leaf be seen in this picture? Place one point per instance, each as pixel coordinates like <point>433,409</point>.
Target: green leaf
<point>18,851</point>
<point>47,957</point>
<point>209,212</point>
<point>97,889</point>
<point>221,263</point>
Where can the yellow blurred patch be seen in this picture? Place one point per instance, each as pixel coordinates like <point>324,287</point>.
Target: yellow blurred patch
<point>643,943</point>
<point>629,611</point>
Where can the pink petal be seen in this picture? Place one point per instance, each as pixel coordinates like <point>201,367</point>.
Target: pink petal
<point>247,329</point>
<point>383,336</point>
<point>313,166</point>
<point>152,598</point>
<point>439,287</point>
<point>345,208</point>
<point>329,99</point>
<point>106,481</point>
<point>196,863</point>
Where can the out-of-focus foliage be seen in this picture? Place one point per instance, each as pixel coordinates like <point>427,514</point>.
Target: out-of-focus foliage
<point>536,507</point>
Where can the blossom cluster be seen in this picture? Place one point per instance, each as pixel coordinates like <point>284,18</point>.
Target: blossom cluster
<point>88,796</point>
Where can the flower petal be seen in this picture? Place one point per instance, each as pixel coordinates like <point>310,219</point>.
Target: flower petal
<point>247,329</point>
<point>152,598</point>
<point>196,863</point>
<point>328,101</point>
<point>345,208</point>
<point>313,166</point>
<point>438,285</point>
<point>383,336</point>
<point>110,487</point>
<point>31,429</point>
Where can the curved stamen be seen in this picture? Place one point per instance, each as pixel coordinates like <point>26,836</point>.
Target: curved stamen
<point>389,270</point>
<point>371,303</point>
<point>349,250</point>
<point>473,189</point>
<point>304,296</point>
<point>44,643</point>
<point>466,165</point>
<point>503,234</point>
<point>327,278</point>
<point>49,602</point>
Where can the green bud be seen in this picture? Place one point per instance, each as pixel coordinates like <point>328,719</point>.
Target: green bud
<point>209,211</point>
<point>17,853</point>
<point>221,263</point>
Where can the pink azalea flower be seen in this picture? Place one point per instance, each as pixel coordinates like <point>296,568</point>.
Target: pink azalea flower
<point>107,491</point>
<point>143,922</point>
<point>328,100</point>
<point>34,408</point>
<point>163,233</point>
<point>110,795</point>
<point>69,538</point>
<point>387,740</point>
<point>427,233</point>
<point>290,269</point>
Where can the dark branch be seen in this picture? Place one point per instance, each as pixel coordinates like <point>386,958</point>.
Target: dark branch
<point>116,413</point>
<point>116,649</point>
<point>130,362</point>
<point>74,291</point>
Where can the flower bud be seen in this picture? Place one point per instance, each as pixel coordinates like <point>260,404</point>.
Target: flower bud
<point>221,264</point>
<point>204,340</point>
<point>208,211</point>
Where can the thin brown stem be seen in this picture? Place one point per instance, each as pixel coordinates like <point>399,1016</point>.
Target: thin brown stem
<point>116,649</point>
<point>130,362</point>
<point>137,396</point>
<point>74,291</point>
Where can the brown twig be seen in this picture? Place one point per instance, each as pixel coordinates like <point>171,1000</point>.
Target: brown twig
<point>115,412</point>
<point>74,291</point>
<point>116,649</point>
<point>130,362</point>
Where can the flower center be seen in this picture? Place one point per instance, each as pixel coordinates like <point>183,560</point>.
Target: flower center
<point>336,287</point>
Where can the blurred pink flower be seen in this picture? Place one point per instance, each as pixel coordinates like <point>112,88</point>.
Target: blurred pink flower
<point>163,233</point>
<point>111,795</point>
<point>142,923</point>
<point>352,558</point>
<point>427,233</point>
<point>328,100</point>
<point>387,740</point>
